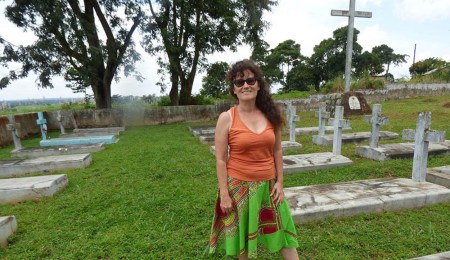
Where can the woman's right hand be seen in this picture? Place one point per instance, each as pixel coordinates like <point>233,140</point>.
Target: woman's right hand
<point>226,204</point>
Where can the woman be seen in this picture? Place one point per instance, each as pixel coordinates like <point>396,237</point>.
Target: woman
<point>251,208</point>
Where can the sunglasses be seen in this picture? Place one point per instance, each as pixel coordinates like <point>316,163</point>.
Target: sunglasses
<point>240,82</point>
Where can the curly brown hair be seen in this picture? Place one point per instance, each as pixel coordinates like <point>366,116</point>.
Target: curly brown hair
<point>264,101</point>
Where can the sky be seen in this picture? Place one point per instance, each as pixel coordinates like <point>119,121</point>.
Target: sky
<point>400,24</point>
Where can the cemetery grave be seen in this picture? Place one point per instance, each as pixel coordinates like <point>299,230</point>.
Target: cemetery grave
<point>31,152</point>
<point>322,115</point>
<point>20,167</point>
<point>376,120</point>
<point>439,175</point>
<point>374,195</point>
<point>315,161</point>
<point>30,188</point>
<point>42,122</point>
<point>389,151</point>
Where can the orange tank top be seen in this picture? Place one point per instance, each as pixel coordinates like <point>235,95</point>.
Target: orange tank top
<point>251,154</point>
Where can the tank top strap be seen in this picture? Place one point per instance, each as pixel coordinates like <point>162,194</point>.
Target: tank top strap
<point>232,113</point>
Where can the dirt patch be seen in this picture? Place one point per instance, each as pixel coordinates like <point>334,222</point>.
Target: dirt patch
<point>447,105</point>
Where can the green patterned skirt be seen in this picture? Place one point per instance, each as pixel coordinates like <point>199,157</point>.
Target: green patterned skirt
<point>255,220</point>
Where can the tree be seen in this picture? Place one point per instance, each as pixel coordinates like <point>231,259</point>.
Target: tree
<point>69,42</point>
<point>280,60</point>
<point>368,63</point>
<point>426,65</point>
<point>299,77</point>
<point>215,83</point>
<point>187,31</point>
<point>328,59</point>
<point>387,56</point>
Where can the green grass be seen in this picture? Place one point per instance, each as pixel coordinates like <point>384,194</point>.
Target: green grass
<point>151,196</point>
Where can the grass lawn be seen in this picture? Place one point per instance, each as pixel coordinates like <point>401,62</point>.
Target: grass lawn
<point>151,196</point>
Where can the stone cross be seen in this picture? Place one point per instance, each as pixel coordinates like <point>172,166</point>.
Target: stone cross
<point>422,136</point>
<point>293,118</point>
<point>323,115</point>
<point>376,120</point>
<point>60,119</point>
<point>351,14</point>
<point>42,122</point>
<point>15,131</point>
<point>338,124</point>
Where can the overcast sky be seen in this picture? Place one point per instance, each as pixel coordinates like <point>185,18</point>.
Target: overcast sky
<point>398,23</point>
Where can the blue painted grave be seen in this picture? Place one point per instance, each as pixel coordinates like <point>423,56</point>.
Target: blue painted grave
<point>47,141</point>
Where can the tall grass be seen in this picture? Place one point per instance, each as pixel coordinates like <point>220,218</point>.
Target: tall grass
<point>151,196</point>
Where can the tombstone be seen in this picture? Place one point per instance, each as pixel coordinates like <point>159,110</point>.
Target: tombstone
<point>42,122</point>
<point>60,119</point>
<point>323,115</point>
<point>354,103</point>
<point>292,118</point>
<point>422,136</point>
<point>376,120</point>
<point>15,132</point>
<point>338,124</point>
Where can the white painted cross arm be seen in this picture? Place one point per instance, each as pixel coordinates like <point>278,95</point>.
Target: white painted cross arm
<point>13,127</point>
<point>347,13</point>
<point>430,136</point>
<point>344,123</point>
<point>325,115</point>
<point>379,120</point>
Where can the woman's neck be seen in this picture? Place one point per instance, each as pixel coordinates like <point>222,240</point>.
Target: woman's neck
<point>247,107</point>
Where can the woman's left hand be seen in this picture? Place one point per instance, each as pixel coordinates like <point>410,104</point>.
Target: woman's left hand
<point>277,193</point>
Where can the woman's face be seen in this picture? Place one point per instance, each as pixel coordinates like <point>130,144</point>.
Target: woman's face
<point>246,86</point>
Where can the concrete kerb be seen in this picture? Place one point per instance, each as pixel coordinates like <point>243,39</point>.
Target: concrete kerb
<point>30,188</point>
<point>438,256</point>
<point>33,152</point>
<point>8,226</point>
<point>20,167</point>
<point>316,202</point>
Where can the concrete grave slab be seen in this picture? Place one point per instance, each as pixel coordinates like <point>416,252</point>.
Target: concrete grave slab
<point>203,129</point>
<point>20,167</point>
<point>398,150</point>
<point>316,202</point>
<point>285,145</point>
<point>313,161</point>
<point>30,188</point>
<point>8,226</point>
<point>353,137</point>
<point>439,256</point>
<point>439,175</point>
<point>207,138</point>
<point>116,130</point>
<point>107,139</point>
<point>85,134</point>
<point>315,130</point>
<point>32,152</point>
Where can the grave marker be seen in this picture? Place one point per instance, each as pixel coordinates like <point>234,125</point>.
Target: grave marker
<point>323,115</point>
<point>351,14</point>
<point>292,118</point>
<point>15,131</point>
<point>376,120</point>
<point>60,119</point>
<point>338,124</point>
<point>42,122</point>
<point>422,136</point>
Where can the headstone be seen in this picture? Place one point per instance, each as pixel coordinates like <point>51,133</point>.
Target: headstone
<point>354,103</point>
<point>338,124</point>
<point>42,122</point>
<point>293,118</point>
<point>376,120</point>
<point>15,132</point>
<point>422,136</point>
<point>323,115</point>
<point>60,119</point>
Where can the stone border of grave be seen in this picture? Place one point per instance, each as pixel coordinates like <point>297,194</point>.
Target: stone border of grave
<point>8,226</point>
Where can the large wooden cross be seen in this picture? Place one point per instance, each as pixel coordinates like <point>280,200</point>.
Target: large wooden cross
<point>351,14</point>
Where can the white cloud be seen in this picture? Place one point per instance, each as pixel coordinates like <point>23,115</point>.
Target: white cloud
<point>422,10</point>
<point>372,36</point>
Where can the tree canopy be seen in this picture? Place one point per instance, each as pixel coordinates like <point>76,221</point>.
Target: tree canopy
<point>85,41</point>
<point>214,84</point>
<point>184,32</point>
